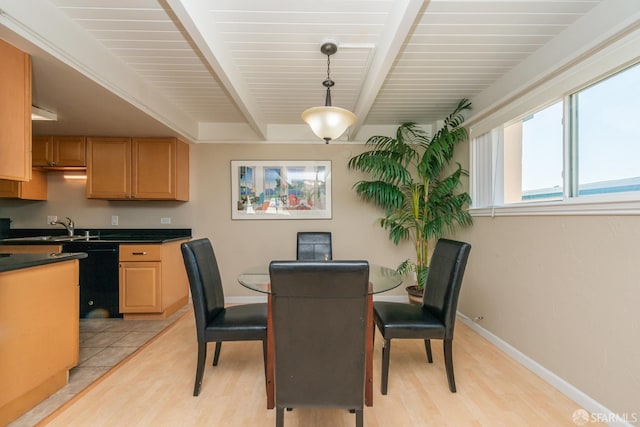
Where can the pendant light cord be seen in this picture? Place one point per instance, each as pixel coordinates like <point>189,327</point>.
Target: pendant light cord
<point>328,66</point>
<point>328,83</point>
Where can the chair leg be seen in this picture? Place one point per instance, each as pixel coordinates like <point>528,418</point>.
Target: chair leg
<point>373,340</point>
<point>279,417</point>
<point>427,346</point>
<point>264,357</point>
<point>448,362</point>
<point>202,356</point>
<point>216,355</point>
<point>359,418</point>
<point>386,350</point>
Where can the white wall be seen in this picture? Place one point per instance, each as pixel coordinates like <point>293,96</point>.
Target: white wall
<point>564,291</point>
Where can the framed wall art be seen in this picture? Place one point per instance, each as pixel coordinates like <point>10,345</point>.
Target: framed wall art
<point>274,189</point>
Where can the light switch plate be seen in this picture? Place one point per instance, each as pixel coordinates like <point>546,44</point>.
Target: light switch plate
<point>165,220</point>
<point>114,219</point>
<point>51,219</point>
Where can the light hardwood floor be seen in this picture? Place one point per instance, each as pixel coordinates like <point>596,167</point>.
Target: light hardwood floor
<point>154,388</point>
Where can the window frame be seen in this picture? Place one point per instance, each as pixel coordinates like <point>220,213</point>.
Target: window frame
<point>590,72</point>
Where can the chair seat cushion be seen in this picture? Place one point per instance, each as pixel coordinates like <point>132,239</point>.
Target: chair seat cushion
<point>399,320</point>
<point>238,323</point>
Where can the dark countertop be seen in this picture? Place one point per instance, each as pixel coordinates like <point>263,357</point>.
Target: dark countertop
<point>11,262</point>
<point>133,235</point>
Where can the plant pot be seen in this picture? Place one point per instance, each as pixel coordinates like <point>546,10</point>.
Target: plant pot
<point>415,294</point>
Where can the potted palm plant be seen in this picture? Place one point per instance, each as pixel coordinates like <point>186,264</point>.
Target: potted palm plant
<point>409,180</point>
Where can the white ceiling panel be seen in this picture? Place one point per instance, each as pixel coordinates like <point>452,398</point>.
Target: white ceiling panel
<point>459,48</point>
<point>143,32</point>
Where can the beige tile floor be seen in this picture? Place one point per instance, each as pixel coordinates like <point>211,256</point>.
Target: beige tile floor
<point>103,344</point>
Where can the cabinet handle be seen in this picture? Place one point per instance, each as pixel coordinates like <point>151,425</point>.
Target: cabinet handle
<point>139,253</point>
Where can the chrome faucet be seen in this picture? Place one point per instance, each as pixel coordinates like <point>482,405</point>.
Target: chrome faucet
<point>69,225</point>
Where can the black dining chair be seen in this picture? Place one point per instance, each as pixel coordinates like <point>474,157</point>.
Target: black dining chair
<point>319,312</point>
<point>215,322</point>
<point>314,246</point>
<point>435,318</point>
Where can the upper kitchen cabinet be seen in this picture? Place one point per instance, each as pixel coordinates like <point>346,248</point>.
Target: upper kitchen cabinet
<point>35,189</point>
<point>109,168</point>
<point>160,169</point>
<point>15,113</point>
<point>59,152</point>
<point>137,169</point>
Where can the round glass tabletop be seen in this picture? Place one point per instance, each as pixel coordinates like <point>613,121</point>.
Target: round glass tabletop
<point>382,278</point>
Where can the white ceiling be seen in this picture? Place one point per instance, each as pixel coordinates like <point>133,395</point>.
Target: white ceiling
<point>229,70</point>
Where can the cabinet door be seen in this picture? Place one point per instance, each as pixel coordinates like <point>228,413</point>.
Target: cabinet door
<point>36,189</point>
<point>69,151</point>
<point>59,151</point>
<point>15,113</point>
<point>154,165</point>
<point>42,150</point>
<point>160,169</point>
<point>140,287</point>
<point>109,168</point>
<point>9,189</point>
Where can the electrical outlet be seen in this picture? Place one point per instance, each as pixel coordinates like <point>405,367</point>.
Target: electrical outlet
<point>114,219</point>
<point>165,220</point>
<point>51,219</point>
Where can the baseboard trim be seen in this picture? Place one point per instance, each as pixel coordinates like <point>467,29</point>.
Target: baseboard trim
<point>596,410</point>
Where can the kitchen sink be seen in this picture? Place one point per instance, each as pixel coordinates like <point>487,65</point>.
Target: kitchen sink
<point>48,238</point>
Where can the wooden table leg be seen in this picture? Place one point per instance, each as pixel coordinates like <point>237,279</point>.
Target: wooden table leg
<point>270,356</point>
<point>368,385</point>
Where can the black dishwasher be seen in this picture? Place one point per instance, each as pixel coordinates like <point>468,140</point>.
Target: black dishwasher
<point>98,278</point>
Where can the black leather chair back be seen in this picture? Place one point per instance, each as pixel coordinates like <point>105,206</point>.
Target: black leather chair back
<point>444,281</point>
<point>204,281</point>
<point>314,246</point>
<point>319,314</point>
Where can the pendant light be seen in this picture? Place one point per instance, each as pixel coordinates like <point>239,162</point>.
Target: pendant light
<point>328,122</point>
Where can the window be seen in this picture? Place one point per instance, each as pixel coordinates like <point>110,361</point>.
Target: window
<point>539,138</point>
<point>607,135</point>
<point>581,148</point>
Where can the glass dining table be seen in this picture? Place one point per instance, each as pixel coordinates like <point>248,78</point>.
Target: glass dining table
<point>381,279</point>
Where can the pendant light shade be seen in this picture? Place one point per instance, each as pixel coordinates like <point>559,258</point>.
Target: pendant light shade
<point>328,122</point>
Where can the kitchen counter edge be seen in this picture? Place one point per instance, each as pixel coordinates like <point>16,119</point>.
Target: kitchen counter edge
<point>12,262</point>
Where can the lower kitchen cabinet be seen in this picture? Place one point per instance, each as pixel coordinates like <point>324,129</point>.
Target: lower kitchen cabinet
<point>140,290</point>
<point>39,342</point>
<point>153,281</point>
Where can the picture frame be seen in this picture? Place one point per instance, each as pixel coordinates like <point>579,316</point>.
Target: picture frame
<point>280,189</point>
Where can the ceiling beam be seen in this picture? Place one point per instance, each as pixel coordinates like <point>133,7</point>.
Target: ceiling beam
<point>396,30</point>
<point>196,20</point>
